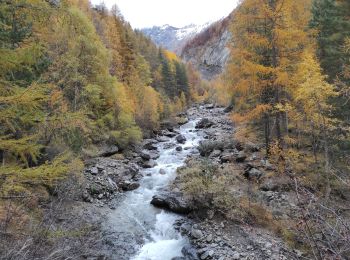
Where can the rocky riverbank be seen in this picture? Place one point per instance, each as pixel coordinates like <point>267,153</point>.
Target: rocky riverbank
<point>212,233</point>
<point>102,204</point>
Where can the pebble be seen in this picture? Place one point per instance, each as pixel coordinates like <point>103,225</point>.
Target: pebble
<point>209,238</point>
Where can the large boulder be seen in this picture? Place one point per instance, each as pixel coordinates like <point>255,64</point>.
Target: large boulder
<point>149,144</point>
<point>149,164</point>
<point>204,123</point>
<point>169,145</point>
<point>162,139</point>
<point>181,120</point>
<point>253,174</point>
<point>172,201</point>
<point>108,150</point>
<point>181,139</point>
<point>145,155</point>
<point>167,125</point>
<point>129,185</point>
<point>148,155</point>
<point>227,157</point>
<point>168,133</point>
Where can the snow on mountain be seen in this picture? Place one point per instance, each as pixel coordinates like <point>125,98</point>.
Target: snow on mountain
<point>173,38</point>
<point>190,30</point>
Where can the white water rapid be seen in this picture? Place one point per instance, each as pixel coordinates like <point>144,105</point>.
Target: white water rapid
<point>138,220</point>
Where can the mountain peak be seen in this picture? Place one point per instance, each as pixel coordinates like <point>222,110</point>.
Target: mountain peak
<point>173,38</point>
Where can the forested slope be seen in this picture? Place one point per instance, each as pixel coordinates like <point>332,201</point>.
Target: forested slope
<point>287,88</point>
<point>73,79</point>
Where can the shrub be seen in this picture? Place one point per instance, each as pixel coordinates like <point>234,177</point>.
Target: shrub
<point>207,147</point>
<point>124,138</point>
<point>207,185</point>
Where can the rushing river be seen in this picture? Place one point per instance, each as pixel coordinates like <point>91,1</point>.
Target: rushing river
<point>137,220</point>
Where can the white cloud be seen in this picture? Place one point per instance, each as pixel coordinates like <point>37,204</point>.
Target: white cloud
<point>146,13</point>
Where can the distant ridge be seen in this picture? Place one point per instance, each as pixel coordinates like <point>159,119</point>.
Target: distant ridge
<point>174,38</point>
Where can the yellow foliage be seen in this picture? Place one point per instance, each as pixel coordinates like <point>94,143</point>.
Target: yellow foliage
<point>171,56</point>
<point>253,114</point>
<point>18,180</point>
<point>150,109</point>
<point>312,90</point>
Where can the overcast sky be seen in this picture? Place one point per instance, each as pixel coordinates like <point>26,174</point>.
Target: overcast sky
<point>146,13</point>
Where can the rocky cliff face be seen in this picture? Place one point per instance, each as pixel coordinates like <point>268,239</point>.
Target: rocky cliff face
<point>209,51</point>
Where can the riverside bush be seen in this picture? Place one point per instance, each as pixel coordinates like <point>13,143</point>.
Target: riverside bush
<point>207,147</point>
<point>207,185</point>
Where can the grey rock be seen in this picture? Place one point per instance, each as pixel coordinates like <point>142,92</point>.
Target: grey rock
<point>108,150</point>
<point>189,253</point>
<point>172,201</point>
<point>268,245</point>
<point>205,255</point>
<point>253,173</point>
<point>129,186</point>
<point>185,228</point>
<point>169,134</point>
<point>86,197</point>
<point>241,157</point>
<point>94,171</point>
<point>204,123</point>
<point>236,256</point>
<point>162,172</point>
<point>179,148</point>
<point>211,214</point>
<point>181,120</point>
<point>149,164</point>
<point>54,2</point>
<point>162,139</point>
<point>227,157</point>
<point>154,155</point>
<point>267,165</point>
<point>269,185</point>
<point>196,233</point>
<point>169,145</point>
<point>181,139</point>
<point>209,106</point>
<point>209,238</point>
<point>215,153</point>
<point>145,155</point>
<point>149,144</point>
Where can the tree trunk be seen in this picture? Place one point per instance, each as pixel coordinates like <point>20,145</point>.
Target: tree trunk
<point>2,157</point>
<point>327,167</point>
<point>267,134</point>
